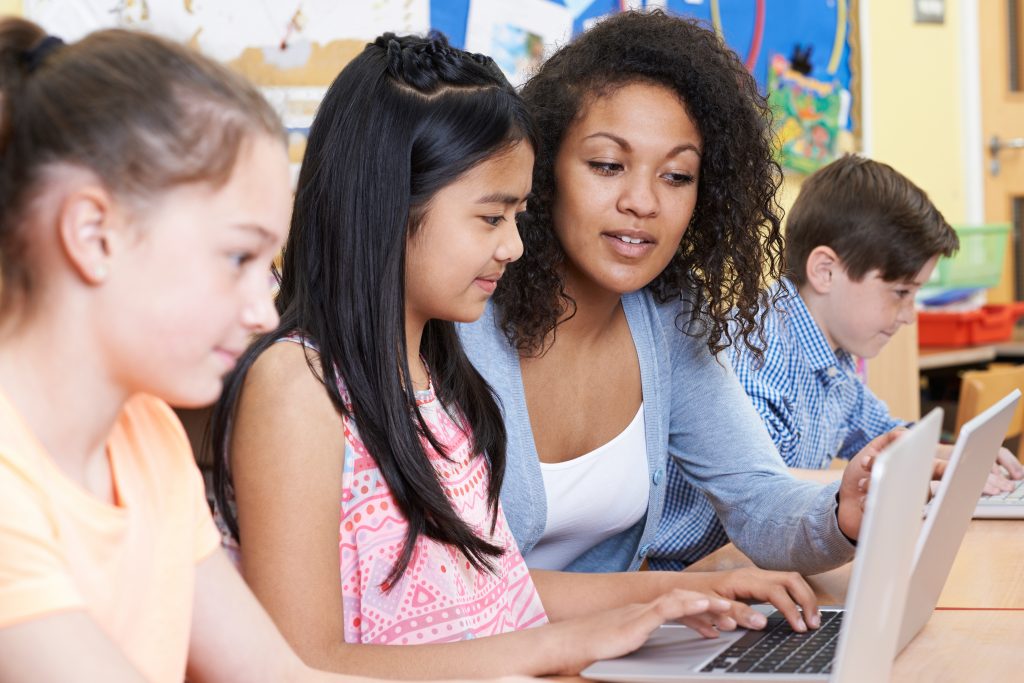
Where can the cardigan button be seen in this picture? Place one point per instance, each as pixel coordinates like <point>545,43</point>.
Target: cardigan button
<point>658,476</point>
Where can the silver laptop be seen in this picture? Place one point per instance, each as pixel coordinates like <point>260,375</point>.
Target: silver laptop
<point>854,645</point>
<point>949,512</point>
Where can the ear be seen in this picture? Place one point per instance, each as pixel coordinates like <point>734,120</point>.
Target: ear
<point>822,265</point>
<point>86,224</point>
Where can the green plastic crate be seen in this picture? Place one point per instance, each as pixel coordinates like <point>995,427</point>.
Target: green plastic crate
<point>978,262</point>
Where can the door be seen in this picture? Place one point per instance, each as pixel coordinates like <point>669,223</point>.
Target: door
<point>1001,35</point>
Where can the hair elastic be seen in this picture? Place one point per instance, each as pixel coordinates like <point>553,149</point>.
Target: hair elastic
<point>34,57</point>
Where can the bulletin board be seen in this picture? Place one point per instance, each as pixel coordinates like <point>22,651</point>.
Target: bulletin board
<point>801,52</point>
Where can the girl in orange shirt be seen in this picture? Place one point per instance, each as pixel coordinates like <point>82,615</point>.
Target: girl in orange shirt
<point>144,193</point>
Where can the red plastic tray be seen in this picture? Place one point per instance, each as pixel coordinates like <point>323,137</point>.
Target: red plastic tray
<point>993,323</point>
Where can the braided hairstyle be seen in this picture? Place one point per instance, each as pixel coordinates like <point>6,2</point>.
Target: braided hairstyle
<point>733,244</point>
<point>406,118</point>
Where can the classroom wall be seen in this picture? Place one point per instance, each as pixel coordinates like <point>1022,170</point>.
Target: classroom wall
<point>917,127</point>
<point>917,120</point>
<point>914,123</point>
<point>913,104</point>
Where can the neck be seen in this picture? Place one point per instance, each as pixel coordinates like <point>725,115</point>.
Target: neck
<point>57,383</point>
<point>413,337</point>
<point>816,305</point>
<point>597,310</point>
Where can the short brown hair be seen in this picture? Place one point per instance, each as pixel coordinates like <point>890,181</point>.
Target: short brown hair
<point>143,113</point>
<point>872,216</point>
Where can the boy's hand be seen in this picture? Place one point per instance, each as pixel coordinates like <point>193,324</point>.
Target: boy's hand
<point>1007,468</point>
<point>853,490</point>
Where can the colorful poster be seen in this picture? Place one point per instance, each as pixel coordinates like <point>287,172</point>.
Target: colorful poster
<point>517,35</point>
<point>808,113</point>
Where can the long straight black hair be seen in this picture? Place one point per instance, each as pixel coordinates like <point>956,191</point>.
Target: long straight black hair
<point>407,117</point>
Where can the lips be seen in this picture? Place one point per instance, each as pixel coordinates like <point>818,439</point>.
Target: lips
<point>629,243</point>
<point>229,356</point>
<point>631,236</point>
<point>488,283</point>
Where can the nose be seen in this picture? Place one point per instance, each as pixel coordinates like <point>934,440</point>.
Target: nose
<point>638,196</point>
<point>510,248</point>
<point>907,312</point>
<point>259,313</point>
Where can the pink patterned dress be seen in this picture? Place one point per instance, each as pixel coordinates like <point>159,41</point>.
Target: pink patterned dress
<point>440,597</point>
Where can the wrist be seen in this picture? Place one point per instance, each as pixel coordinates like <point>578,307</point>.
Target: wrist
<point>564,654</point>
<point>839,523</point>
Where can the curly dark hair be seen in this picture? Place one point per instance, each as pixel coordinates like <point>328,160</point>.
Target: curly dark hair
<point>733,245</point>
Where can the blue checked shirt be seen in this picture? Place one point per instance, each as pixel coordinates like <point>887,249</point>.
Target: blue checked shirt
<point>810,398</point>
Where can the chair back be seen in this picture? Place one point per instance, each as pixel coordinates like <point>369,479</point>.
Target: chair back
<point>982,389</point>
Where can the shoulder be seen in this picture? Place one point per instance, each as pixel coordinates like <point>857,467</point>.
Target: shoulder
<point>283,391</point>
<point>149,427</point>
<point>673,332</point>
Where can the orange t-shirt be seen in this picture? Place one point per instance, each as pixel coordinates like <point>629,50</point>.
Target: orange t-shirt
<point>131,566</point>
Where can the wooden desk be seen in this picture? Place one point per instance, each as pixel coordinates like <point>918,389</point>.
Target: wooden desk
<point>959,647</point>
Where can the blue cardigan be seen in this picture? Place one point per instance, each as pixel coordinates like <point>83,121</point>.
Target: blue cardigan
<point>694,411</point>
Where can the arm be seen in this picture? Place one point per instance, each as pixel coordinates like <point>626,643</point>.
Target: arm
<point>723,448</point>
<point>569,595</point>
<point>233,638</point>
<point>289,510</point>
<point>869,418</point>
<point>768,391</point>
<point>64,646</point>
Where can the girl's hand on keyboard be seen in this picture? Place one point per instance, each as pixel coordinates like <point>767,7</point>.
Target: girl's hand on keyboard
<point>787,591</point>
<point>607,634</point>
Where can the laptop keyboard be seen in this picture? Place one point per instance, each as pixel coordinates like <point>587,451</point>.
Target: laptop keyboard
<point>1014,497</point>
<point>778,648</point>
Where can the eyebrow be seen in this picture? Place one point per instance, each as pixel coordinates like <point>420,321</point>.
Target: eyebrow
<point>258,230</point>
<point>624,144</point>
<point>501,198</point>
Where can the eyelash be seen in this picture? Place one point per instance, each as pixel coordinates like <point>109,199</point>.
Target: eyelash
<point>495,221</point>
<point>241,258</point>
<point>607,168</point>
<point>680,179</point>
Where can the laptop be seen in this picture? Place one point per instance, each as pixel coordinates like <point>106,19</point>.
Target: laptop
<point>853,645</point>
<point>949,512</point>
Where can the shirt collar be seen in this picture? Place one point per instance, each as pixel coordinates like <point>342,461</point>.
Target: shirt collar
<point>808,334</point>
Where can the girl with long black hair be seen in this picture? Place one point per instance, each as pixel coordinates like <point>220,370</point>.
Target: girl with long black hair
<point>359,454</point>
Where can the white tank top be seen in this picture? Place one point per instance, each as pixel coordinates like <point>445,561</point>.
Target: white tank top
<point>593,497</point>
